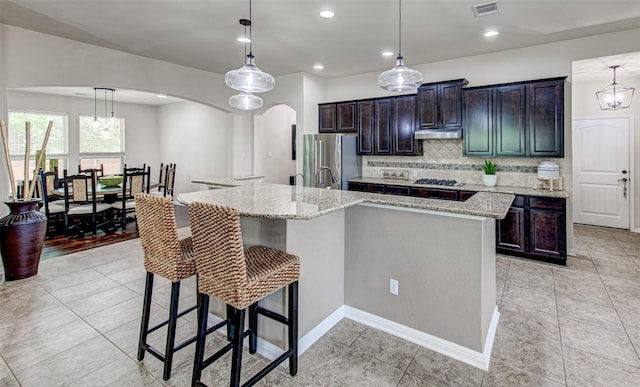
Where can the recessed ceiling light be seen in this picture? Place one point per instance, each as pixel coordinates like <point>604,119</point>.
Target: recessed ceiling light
<point>318,66</point>
<point>161,96</point>
<point>490,33</point>
<point>327,13</point>
<point>242,39</point>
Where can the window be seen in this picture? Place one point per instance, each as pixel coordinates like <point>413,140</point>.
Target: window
<point>103,145</point>
<point>56,152</point>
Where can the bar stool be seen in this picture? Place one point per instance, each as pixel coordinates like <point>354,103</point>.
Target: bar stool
<point>166,256</point>
<point>240,278</point>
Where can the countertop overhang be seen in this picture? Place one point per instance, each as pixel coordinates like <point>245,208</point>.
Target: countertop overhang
<point>468,187</point>
<point>275,201</point>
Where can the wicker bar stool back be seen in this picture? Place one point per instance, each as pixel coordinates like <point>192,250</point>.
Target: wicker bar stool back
<point>166,256</point>
<point>240,278</point>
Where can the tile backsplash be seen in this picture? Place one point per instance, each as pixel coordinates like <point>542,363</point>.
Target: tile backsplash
<point>442,159</point>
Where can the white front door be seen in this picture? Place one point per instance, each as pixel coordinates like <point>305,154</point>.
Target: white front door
<point>601,197</point>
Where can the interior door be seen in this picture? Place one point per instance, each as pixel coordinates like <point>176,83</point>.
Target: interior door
<point>602,186</point>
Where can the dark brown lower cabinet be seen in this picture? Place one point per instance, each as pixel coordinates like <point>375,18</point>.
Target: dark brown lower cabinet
<point>535,227</point>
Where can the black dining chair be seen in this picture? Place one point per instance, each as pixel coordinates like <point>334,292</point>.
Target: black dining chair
<point>135,180</point>
<point>52,207</point>
<point>81,208</point>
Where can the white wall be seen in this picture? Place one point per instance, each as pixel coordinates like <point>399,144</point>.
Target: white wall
<point>197,138</point>
<point>272,153</point>
<point>585,105</point>
<point>141,137</point>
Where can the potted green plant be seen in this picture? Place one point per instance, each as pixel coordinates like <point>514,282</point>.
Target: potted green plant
<point>22,232</point>
<point>489,178</point>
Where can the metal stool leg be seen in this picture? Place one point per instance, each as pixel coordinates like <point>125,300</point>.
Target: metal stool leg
<point>236,357</point>
<point>203,311</point>
<point>253,328</point>
<point>293,327</point>
<point>146,311</point>
<point>171,334</point>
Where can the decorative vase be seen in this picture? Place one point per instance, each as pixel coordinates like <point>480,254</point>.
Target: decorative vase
<point>22,235</point>
<point>489,180</point>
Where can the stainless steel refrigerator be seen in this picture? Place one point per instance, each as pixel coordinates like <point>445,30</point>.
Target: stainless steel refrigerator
<point>330,160</point>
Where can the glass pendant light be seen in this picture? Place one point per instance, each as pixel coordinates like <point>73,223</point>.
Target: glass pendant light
<point>249,78</point>
<point>113,122</point>
<point>96,124</point>
<point>616,96</point>
<point>400,77</point>
<point>245,101</point>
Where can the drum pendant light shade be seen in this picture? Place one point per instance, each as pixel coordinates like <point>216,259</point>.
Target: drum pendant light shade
<point>615,96</point>
<point>245,101</point>
<point>400,77</point>
<point>249,78</point>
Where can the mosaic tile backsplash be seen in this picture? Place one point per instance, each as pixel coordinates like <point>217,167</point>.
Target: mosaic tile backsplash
<point>442,159</point>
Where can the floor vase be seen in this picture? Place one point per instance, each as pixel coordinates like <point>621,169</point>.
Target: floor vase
<point>22,234</point>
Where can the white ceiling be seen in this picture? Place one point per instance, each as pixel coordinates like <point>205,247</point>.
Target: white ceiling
<point>290,36</point>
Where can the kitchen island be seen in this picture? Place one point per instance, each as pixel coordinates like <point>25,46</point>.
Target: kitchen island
<point>351,244</point>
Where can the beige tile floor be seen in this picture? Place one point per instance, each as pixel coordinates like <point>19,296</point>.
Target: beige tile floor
<point>76,323</point>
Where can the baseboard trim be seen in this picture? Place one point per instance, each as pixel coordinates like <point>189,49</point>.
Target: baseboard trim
<point>447,348</point>
<point>272,351</point>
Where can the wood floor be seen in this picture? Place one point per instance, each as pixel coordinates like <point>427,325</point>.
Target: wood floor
<point>60,245</point>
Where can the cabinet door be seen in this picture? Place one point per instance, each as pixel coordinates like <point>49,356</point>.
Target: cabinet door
<point>382,127</point>
<point>346,117</point>
<point>511,231</point>
<point>546,118</point>
<point>327,118</point>
<point>547,233</point>
<point>404,126</point>
<point>478,122</point>
<point>450,105</point>
<point>365,127</point>
<point>427,103</point>
<point>509,120</point>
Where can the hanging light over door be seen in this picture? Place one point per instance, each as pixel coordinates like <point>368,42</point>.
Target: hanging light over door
<point>615,96</point>
<point>249,78</point>
<point>400,77</point>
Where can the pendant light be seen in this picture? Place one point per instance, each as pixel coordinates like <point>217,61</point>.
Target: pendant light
<point>615,96</point>
<point>400,77</point>
<point>249,78</point>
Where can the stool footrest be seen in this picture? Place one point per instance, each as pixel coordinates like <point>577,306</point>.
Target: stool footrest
<point>272,315</point>
<point>160,325</point>
<point>270,367</point>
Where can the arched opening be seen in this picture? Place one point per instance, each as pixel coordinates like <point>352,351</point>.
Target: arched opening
<point>274,136</point>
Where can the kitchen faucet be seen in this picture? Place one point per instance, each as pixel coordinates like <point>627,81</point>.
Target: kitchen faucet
<point>319,175</point>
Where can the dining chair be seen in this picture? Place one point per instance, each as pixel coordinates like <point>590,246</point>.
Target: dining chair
<point>135,180</point>
<point>52,207</point>
<point>80,203</point>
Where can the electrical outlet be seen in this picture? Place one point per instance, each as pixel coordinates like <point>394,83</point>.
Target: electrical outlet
<point>393,286</point>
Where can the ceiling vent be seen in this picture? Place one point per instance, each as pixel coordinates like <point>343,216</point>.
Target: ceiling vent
<point>485,9</point>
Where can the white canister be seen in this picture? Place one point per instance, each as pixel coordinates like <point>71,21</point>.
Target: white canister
<point>548,170</point>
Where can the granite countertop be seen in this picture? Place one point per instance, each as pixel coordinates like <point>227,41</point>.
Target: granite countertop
<point>469,187</point>
<point>297,202</point>
<point>229,181</point>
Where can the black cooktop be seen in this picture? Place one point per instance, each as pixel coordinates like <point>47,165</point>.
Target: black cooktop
<point>450,183</point>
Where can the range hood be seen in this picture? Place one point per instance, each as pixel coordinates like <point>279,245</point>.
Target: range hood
<point>438,134</point>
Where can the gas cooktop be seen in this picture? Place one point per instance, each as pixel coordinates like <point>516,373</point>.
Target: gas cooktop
<point>449,183</point>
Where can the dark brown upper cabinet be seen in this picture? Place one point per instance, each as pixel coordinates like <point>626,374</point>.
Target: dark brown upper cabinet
<point>523,119</point>
<point>439,104</point>
<point>404,125</point>
<point>337,117</point>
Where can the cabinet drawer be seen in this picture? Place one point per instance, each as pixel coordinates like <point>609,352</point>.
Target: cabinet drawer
<point>397,190</point>
<point>375,188</point>
<point>435,193</point>
<point>546,203</point>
